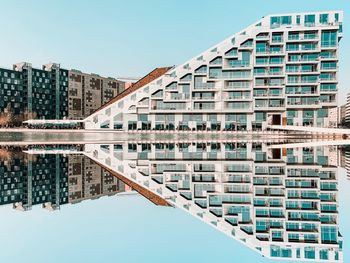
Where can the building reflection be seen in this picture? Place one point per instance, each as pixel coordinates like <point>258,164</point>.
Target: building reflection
<point>87,180</point>
<point>52,180</point>
<point>279,200</point>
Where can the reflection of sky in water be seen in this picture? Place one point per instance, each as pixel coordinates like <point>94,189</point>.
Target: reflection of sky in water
<point>127,228</point>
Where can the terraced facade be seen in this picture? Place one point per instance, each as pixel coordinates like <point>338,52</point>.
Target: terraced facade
<point>282,70</point>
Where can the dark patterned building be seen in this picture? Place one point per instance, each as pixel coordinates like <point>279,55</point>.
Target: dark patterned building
<point>42,179</point>
<point>88,92</point>
<point>52,180</point>
<point>87,180</point>
<point>40,93</point>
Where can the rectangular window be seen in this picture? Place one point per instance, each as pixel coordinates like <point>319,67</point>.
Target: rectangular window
<point>261,47</point>
<point>277,37</point>
<point>275,21</point>
<point>293,36</point>
<point>322,113</point>
<point>329,38</point>
<point>286,20</point>
<point>309,20</point>
<point>260,116</point>
<point>324,18</point>
<point>260,61</point>
<point>298,20</point>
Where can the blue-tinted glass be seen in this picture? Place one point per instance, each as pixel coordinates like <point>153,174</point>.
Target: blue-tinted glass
<point>310,252</point>
<point>275,21</point>
<point>324,18</point>
<point>286,20</point>
<point>328,38</point>
<point>336,17</point>
<point>309,20</point>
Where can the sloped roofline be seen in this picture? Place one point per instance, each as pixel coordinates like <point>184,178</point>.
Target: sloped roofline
<point>154,74</point>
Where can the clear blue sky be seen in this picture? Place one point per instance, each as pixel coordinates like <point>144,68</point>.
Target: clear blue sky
<point>130,38</point>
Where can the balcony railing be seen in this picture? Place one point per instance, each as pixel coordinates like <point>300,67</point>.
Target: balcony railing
<point>238,86</point>
<point>209,85</point>
<point>238,64</point>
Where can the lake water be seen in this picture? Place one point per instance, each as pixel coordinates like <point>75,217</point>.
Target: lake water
<point>108,197</point>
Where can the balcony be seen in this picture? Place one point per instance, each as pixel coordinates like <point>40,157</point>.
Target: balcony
<point>237,64</point>
<point>269,52</point>
<point>269,73</point>
<point>329,45</point>
<point>238,85</point>
<point>237,97</point>
<point>300,38</point>
<point>230,75</point>
<point>299,71</point>
<point>204,98</point>
<point>204,85</point>
<point>277,39</point>
<point>204,106</point>
<point>328,79</point>
<point>265,105</point>
<point>269,84</point>
<point>177,96</point>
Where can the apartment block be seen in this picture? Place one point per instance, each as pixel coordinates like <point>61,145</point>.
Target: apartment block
<point>52,93</point>
<point>33,181</point>
<point>52,180</point>
<point>88,92</point>
<point>37,93</point>
<point>281,70</point>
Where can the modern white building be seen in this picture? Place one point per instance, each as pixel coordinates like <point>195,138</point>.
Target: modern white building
<point>281,70</point>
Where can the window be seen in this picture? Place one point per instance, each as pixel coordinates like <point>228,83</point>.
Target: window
<point>309,20</point>
<point>293,36</point>
<point>310,252</point>
<point>276,251</point>
<point>262,61</point>
<point>261,47</point>
<point>323,18</point>
<point>275,21</point>
<point>328,39</point>
<point>143,117</point>
<point>291,114</point>
<point>324,254</point>
<point>245,58</point>
<point>298,20</point>
<point>260,116</point>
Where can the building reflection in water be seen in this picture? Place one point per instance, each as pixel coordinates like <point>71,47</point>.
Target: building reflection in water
<point>52,180</point>
<point>280,201</point>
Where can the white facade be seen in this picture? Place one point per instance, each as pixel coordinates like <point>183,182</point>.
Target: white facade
<point>282,70</point>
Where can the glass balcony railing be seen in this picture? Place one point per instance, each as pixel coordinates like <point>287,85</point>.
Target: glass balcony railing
<point>238,64</point>
<point>326,44</point>
<point>230,75</point>
<point>238,85</point>
<point>202,85</point>
<point>277,39</point>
